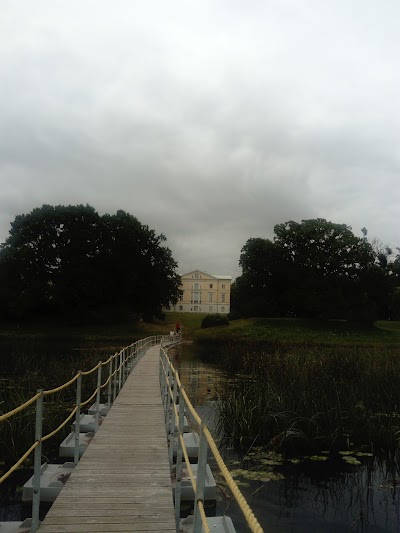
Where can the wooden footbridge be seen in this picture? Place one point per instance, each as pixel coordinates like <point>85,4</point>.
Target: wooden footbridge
<point>123,480</point>
<point>122,483</point>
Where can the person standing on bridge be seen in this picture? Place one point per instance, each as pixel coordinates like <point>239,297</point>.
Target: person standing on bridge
<point>177,328</point>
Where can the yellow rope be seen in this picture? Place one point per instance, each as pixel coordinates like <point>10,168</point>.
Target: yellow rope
<point>49,435</point>
<point>106,362</point>
<point>182,390</point>
<point>19,462</point>
<point>89,399</point>
<point>248,513</point>
<point>190,407</point>
<point>187,461</point>
<point>194,485</point>
<point>19,408</point>
<point>105,383</point>
<point>87,372</point>
<point>61,387</point>
<point>206,528</point>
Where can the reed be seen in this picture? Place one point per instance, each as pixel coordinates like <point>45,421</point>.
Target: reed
<point>302,399</point>
<point>30,365</point>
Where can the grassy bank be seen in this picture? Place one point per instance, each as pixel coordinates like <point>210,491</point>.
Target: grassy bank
<point>303,386</point>
<point>301,331</point>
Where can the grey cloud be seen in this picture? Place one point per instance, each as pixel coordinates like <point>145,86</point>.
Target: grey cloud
<point>210,122</point>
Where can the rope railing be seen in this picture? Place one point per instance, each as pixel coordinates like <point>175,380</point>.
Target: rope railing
<point>20,408</point>
<point>169,373</point>
<point>123,361</point>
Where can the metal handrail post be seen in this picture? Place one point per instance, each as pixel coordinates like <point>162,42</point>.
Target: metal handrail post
<point>109,385</point>
<point>167,396</point>
<point>77,416</point>
<point>178,479</point>
<point>171,423</point>
<point>37,463</point>
<point>200,481</point>
<point>123,367</point>
<point>97,414</point>
<point>119,370</point>
<point>127,363</point>
<point>115,377</point>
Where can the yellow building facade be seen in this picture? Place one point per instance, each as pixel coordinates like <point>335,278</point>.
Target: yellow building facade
<point>204,293</point>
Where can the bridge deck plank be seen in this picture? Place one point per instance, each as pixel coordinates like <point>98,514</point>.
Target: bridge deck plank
<point>122,483</point>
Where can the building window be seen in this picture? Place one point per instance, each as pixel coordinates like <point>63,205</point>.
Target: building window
<point>222,309</point>
<point>210,308</point>
<point>210,296</point>
<point>223,286</point>
<point>195,308</point>
<point>211,285</point>
<point>197,276</point>
<point>196,298</point>
<point>181,297</point>
<point>196,286</point>
<point>223,297</point>
<point>181,308</point>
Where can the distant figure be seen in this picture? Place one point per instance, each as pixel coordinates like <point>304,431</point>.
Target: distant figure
<point>177,328</point>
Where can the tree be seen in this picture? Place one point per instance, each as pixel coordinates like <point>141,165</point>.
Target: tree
<point>314,268</point>
<point>67,258</point>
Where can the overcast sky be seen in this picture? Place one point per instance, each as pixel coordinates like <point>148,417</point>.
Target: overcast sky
<point>211,120</point>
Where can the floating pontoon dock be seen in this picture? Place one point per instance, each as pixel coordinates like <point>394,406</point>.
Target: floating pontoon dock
<point>123,481</point>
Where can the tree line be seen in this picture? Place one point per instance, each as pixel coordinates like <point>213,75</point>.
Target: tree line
<point>69,260</point>
<point>317,269</point>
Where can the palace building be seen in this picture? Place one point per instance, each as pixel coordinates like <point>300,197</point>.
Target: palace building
<point>204,293</point>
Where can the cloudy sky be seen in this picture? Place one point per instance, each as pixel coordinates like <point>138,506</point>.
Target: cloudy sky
<point>209,120</point>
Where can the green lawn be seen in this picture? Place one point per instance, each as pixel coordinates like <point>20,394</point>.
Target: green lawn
<point>285,330</point>
<point>303,331</point>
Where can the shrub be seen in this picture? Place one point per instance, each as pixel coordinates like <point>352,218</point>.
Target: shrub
<point>214,320</point>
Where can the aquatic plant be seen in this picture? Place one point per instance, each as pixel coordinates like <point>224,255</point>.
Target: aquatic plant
<point>308,398</point>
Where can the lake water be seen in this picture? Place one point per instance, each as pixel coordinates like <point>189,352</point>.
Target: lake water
<point>325,497</point>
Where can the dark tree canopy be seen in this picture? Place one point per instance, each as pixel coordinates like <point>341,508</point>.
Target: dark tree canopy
<point>314,269</point>
<point>62,258</point>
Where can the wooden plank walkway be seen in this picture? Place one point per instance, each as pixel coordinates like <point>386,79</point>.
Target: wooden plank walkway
<point>122,482</point>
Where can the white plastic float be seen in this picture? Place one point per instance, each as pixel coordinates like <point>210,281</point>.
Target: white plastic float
<point>217,524</point>
<point>103,409</point>
<point>52,480</point>
<point>192,443</point>
<point>185,424</point>
<point>87,423</point>
<point>16,527</point>
<point>67,447</point>
<point>187,492</point>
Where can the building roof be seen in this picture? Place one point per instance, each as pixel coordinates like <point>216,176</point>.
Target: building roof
<point>206,274</point>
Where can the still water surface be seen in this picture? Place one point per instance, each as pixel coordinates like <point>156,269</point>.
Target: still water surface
<point>324,497</point>
<point>313,496</point>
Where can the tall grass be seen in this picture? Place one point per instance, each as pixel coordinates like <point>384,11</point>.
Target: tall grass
<point>28,365</point>
<point>301,399</point>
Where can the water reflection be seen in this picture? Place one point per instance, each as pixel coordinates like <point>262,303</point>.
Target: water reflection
<point>329,496</point>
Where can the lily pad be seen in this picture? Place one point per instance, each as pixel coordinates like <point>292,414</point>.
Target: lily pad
<point>364,454</point>
<point>242,484</point>
<point>346,452</point>
<point>351,460</point>
<point>318,458</point>
<point>271,462</point>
